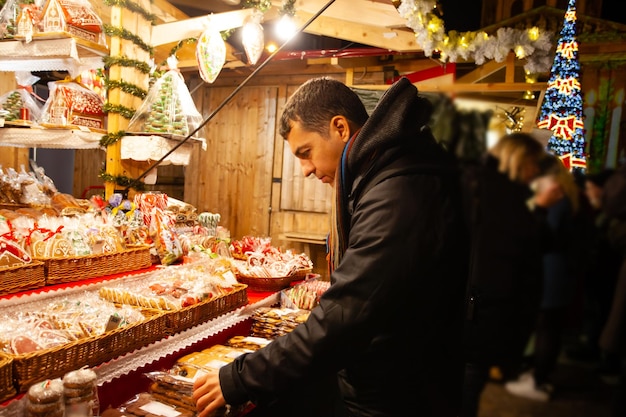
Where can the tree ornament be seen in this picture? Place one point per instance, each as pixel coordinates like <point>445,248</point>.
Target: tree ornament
<point>210,54</point>
<point>252,37</point>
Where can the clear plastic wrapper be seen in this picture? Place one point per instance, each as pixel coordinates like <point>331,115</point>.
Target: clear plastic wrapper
<point>53,322</point>
<point>45,399</point>
<point>10,15</point>
<point>175,287</point>
<point>20,104</point>
<point>167,109</point>
<point>80,392</point>
<point>304,295</point>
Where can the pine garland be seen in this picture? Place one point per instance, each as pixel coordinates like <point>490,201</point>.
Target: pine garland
<point>125,87</point>
<point>177,47</point>
<point>110,30</point>
<point>134,7</point>
<point>123,181</point>
<point>125,112</point>
<point>111,138</point>
<point>262,5</point>
<point>123,61</point>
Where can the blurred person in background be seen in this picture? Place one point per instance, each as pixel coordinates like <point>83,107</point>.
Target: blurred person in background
<point>613,337</point>
<point>563,264</point>
<point>599,281</point>
<point>509,236</point>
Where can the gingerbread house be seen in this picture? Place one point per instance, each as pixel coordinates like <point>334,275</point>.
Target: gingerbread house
<point>76,18</point>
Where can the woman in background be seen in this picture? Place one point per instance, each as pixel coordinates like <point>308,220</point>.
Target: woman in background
<point>509,237</point>
<point>563,265</point>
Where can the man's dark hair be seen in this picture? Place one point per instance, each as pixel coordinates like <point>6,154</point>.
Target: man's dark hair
<point>317,101</point>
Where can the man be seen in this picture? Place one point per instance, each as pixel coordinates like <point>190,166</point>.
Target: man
<point>389,328</point>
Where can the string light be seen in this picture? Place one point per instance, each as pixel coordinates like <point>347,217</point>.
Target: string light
<point>532,44</point>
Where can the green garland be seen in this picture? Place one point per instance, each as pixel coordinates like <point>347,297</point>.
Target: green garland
<point>134,7</point>
<point>288,8</point>
<point>262,5</point>
<point>129,36</point>
<point>125,112</point>
<point>123,181</point>
<point>111,138</point>
<point>178,46</point>
<point>123,61</point>
<point>125,87</point>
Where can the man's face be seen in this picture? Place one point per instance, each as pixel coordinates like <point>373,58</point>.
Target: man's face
<point>319,155</point>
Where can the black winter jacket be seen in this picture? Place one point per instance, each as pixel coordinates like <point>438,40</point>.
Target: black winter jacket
<point>390,325</point>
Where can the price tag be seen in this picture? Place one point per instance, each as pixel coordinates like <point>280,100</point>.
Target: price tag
<point>113,323</point>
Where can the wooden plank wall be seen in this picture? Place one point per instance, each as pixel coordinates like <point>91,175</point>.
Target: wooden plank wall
<point>233,176</point>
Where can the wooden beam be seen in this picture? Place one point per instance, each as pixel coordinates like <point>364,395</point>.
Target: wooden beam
<point>393,39</point>
<point>481,72</point>
<point>601,48</point>
<point>469,88</point>
<point>483,87</point>
<point>521,102</point>
<point>193,27</point>
<point>509,75</point>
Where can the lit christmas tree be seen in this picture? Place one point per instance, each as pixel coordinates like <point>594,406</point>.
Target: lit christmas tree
<point>562,108</point>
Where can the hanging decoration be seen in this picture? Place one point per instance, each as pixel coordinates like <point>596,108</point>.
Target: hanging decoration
<point>252,37</point>
<point>531,44</point>
<point>513,119</point>
<point>210,54</point>
<point>562,108</point>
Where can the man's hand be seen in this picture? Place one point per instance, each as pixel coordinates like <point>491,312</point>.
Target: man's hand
<point>207,394</point>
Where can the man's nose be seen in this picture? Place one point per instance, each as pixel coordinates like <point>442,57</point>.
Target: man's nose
<point>307,168</point>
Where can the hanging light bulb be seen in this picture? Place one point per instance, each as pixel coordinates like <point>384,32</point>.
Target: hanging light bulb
<point>286,27</point>
<point>252,37</point>
<point>210,54</point>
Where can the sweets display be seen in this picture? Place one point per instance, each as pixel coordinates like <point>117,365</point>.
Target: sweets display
<point>45,399</point>
<point>73,395</point>
<point>270,322</point>
<point>48,324</point>
<point>81,393</point>
<point>51,19</point>
<point>176,287</point>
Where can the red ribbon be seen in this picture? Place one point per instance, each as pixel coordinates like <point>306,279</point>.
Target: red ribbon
<point>29,89</point>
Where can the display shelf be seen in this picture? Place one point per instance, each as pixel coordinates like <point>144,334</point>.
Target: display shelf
<point>63,54</point>
<point>36,137</point>
<point>138,148</point>
<point>150,147</point>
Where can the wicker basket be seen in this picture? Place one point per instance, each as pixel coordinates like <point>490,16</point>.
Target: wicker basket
<point>187,317</point>
<point>266,283</point>
<point>24,277</point>
<point>64,270</point>
<point>302,273</point>
<point>32,367</point>
<point>7,389</point>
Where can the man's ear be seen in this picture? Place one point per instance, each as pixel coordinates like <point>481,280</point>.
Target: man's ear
<point>340,128</point>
